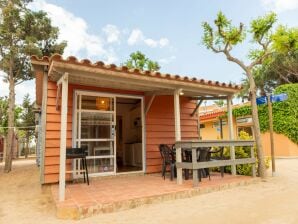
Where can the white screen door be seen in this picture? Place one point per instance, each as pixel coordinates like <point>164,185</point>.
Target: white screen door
<point>95,130</point>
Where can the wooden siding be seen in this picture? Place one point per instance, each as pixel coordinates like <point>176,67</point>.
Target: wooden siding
<point>52,145</point>
<point>160,127</point>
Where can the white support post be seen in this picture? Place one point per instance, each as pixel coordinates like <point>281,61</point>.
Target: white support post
<point>231,132</point>
<point>178,132</point>
<point>63,133</point>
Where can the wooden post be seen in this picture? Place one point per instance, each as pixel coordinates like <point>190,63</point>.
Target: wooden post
<point>271,134</point>
<point>194,156</point>
<point>231,132</point>
<point>43,123</point>
<point>63,133</point>
<point>178,133</point>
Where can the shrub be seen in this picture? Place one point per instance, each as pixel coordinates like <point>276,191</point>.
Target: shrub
<point>240,153</point>
<point>285,114</point>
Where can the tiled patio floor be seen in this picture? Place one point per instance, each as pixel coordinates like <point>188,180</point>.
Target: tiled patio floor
<point>125,192</point>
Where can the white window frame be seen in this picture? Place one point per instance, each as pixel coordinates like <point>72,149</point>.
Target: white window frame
<point>78,92</point>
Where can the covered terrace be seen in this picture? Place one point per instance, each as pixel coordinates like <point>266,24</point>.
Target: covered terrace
<point>150,85</point>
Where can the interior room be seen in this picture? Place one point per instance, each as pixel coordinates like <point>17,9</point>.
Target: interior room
<point>128,135</point>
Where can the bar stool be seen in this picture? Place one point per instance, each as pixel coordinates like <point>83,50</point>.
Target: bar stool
<point>78,153</point>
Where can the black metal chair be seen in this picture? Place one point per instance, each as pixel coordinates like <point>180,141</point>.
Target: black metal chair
<point>79,153</point>
<point>186,157</point>
<point>218,156</point>
<point>168,159</point>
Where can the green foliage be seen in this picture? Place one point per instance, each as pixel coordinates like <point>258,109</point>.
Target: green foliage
<point>140,61</point>
<point>260,28</point>
<point>240,153</point>
<point>285,114</point>
<point>27,130</point>
<point>4,115</point>
<point>285,39</point>
<point>241,111</point>
<point>23,33</point>
<point>226,33</point>
<point>281,66</point>
<point>27,117</point>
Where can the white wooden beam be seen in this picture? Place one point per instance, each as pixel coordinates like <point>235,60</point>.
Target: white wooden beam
<point>231,131</point>
<point>149,104</point>
<point>62,78</point>
<point>144,79</point>
<point>178,132</point>
<point>63,134</point>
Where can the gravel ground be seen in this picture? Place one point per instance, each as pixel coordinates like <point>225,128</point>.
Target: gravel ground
<point>274,201</point>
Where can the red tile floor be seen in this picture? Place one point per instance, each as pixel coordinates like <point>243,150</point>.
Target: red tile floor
<point>125,192</point>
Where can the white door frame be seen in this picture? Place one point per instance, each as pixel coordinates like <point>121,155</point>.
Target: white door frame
<point>113,95</point>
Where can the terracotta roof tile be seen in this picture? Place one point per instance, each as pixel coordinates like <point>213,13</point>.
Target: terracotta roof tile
<point>100,64</point>
<point>211,115</point>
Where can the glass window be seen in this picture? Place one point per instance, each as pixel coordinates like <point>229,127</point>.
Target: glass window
<point>100,165</point>
<point>96,125</point>
<point>97,103</point>
<point>105,148</point>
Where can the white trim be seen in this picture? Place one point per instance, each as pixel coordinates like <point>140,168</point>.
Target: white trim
<point>79,93</point>
<point>74,103</point>
<point>96,111</point>
<point>129,172</point>
<point>100,157</point>
<point>103,174</point>
<point>80,117</point>
<point>63,135</point>
<point>79,111</point>
<point>115,137</point>
<point>95,140</point>
<point>143,118</point>
<point>178,132</point>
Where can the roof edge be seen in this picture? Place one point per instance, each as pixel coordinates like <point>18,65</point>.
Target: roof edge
<point>45,60</point>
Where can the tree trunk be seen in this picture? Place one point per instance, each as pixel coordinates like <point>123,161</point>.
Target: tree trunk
<point>256,126</point>
<point>10,133</point>
<point>26,151</point>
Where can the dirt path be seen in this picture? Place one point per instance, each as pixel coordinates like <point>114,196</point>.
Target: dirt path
<point>275,201</point>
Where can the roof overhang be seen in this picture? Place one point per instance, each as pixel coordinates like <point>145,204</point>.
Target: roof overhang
<point>111,76</point>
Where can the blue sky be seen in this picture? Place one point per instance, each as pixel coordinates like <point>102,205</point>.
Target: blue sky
<point>166,31</point>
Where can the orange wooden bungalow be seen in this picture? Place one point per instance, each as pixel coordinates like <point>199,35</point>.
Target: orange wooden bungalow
<point>121,115</point>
